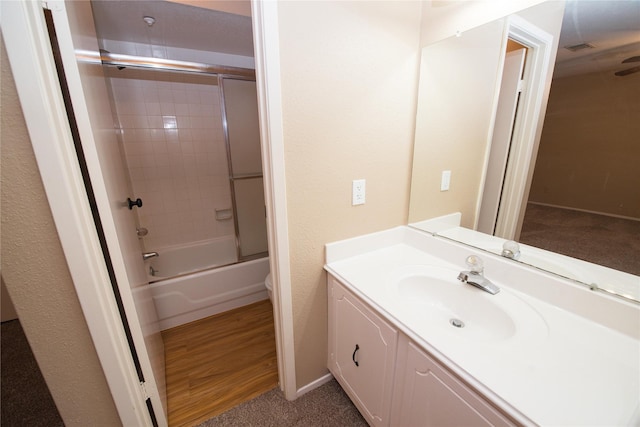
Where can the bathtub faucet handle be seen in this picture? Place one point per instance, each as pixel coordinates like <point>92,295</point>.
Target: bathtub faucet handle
<point>132,203</point>
<point>149,255</point>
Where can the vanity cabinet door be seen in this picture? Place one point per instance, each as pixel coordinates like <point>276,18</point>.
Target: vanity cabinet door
<point>428,395</point>
<point>362,353</point>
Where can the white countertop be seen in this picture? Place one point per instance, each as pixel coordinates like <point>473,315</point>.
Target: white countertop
<point>561,367</point>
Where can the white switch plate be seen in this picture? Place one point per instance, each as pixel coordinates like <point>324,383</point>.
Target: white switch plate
<point>358,191</point>
<point>446,181</point>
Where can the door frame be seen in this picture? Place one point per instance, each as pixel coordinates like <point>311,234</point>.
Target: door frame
<point>528,124</point>
<point>508,100</point>
<point>266,39</point>
<point>33,66</point>
<point>28,48</point>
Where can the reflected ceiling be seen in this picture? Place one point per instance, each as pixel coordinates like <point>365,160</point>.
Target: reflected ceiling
<point>612,27</point>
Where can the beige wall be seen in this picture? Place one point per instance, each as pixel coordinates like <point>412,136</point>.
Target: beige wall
<point>443,18</point>
<point>36,276</point>
<point>349,79</point>
<point>589,151</point>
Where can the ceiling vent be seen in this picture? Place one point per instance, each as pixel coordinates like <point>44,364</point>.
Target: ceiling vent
<point>579,46</point>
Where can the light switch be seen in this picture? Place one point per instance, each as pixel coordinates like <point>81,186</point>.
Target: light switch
<point>445,181</point>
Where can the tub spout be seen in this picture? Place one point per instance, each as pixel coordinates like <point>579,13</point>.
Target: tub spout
<point>149,255</point>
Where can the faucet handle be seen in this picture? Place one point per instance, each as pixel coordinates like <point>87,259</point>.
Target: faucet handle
<point>475,264</point>
<point>511,249</point>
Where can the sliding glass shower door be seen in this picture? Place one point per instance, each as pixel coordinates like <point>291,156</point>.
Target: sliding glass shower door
<point>240,123</point>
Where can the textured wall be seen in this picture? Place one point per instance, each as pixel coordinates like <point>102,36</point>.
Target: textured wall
<point>36,276</point>
<point>349,79</point>
<point>589,151</point>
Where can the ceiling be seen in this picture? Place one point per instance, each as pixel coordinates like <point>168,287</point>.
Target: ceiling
<point>611,26</point>
<point>176,25</point>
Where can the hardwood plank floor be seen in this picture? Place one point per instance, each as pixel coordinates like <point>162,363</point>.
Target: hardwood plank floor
<point>216,363</point>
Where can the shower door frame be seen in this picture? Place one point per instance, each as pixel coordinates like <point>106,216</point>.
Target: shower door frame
<point>221,73</point>
<point>232,177</point>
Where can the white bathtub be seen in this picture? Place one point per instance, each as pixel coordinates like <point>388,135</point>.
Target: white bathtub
<point>180,260</point>
<point>199,294</point>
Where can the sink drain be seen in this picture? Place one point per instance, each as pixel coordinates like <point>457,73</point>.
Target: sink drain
<point>457,323</point>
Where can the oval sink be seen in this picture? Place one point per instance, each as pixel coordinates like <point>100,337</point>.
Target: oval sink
<point>459,308</point>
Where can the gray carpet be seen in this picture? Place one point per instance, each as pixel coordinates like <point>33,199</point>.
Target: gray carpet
<point>25,398</point>
<point>612,242</point>
<point>326,406</point>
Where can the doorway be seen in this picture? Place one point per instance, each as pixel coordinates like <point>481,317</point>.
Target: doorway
<point>190,144</point>
<point>524,131</point>
<point>505,118</point>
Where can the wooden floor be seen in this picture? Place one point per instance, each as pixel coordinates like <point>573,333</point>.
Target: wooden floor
<point>216,363</point>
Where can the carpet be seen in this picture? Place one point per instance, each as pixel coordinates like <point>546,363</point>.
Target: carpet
<point>608,241</point>
<point>26,400</point>
<point>326,406</point>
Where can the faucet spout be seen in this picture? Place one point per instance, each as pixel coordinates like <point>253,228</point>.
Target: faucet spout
<point>476,279</point>
<point>149,255</point>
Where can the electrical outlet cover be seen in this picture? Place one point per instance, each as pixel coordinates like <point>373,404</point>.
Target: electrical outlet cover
<point>358,192</point>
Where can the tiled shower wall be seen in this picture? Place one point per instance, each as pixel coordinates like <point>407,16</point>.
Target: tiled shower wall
<point>175,149</point>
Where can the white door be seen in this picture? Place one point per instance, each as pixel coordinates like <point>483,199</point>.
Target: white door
<point>111,187</point>
<point>500,144</point>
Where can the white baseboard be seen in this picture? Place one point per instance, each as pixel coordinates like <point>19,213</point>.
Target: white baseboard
<point>314,384</point>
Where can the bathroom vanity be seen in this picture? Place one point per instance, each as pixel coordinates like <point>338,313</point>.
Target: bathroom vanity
<point>413,345</point>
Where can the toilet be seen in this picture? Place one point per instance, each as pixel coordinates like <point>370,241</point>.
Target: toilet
<point>269,286</point>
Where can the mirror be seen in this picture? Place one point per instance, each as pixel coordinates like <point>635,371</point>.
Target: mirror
<point>584,178</point>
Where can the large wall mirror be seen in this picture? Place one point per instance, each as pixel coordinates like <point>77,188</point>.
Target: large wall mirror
<point>567,181</point>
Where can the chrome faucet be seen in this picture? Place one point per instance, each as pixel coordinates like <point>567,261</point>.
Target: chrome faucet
<point>475,276</point>
<point>149,255</point>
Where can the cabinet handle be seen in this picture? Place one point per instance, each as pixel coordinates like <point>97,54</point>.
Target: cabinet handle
<point>353,356</point>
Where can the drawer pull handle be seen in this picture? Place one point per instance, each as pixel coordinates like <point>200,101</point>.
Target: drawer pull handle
<point>353,356</point>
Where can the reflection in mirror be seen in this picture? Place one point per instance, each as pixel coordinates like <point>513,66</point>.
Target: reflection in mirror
<point>584,200</point>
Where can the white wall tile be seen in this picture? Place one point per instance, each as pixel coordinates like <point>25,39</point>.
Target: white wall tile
<point>175,149</point>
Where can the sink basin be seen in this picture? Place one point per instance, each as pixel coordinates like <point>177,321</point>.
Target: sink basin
<point>455,308</point>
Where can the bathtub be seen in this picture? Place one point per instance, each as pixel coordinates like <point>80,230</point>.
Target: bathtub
<point>180,260</point>
<point>196,293</point>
